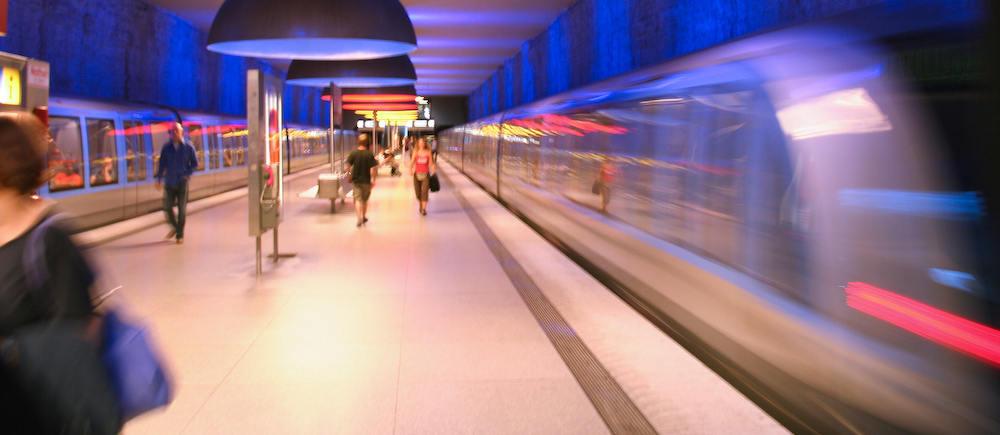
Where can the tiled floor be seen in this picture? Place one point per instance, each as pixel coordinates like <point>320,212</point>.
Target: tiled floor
<point>406,326</point>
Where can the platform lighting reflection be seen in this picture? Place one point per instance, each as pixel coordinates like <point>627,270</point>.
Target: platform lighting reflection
<point>163,127</point>
<point>928,322</point>
<point>843,112</point>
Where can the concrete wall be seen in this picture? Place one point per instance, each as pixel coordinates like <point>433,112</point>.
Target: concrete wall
<point>449,111</point>
<point>130,50</point>
<point>597,39</point>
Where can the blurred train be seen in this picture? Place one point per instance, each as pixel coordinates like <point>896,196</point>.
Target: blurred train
<point>103,155</point>
<point>802,208</point>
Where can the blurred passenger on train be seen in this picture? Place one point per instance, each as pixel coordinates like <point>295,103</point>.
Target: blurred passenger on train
<point>422,166</point>
<point>606,175</point>
<point>363,169</point>
<point>130,164</point>
<point>66,294</point>
<point>102,172</point>
<point>178,160</point>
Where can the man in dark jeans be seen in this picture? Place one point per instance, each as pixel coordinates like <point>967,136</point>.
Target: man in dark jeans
<point>363,168</point>
<point>178,161</point>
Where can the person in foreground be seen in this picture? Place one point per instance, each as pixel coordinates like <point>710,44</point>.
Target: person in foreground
<point>66,292</point>
<point>422,166</point>
<point>363,169</point>
<point>178,160</point>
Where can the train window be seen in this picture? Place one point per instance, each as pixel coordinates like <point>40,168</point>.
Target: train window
<point>102,151</point>
<point>216,148</point>
<point>140,150</point>
<point>135,151</point>
<point>241,150</point>
<point>65,154</point>
<point>228,141</point>
<point>211,147</point>
<point>195,134</point>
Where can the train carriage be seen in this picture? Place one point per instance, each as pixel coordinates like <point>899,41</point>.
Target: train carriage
<point>103,155</point>
<point>790,207</point>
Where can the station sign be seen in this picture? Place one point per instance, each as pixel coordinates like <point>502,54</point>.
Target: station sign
<point>38,75</point>
<point>10,86</point>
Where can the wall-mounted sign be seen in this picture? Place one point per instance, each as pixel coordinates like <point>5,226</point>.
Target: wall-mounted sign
<point>10,88</point>
<point>3,17</point>
<point>38,75</point>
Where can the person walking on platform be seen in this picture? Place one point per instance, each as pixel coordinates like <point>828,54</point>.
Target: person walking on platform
<point>362,167</point>
<point>422,166</point>
<point>178,161</point>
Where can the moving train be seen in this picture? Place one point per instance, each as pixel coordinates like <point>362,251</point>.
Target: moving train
<point>103,155</point>
<point>803,209</point>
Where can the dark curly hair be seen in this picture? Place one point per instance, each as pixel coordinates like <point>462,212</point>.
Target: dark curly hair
<point>22,166</point>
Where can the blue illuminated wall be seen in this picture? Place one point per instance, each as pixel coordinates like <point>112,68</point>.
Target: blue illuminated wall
<point>130,50</point>
<point>597,39</point>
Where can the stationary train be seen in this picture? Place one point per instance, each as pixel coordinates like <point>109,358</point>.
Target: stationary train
<point>801,208</point>
<point>103,155</point>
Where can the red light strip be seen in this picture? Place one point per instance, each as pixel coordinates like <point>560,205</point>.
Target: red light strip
<point>924,320</point>
<point>387,98</point>
<point>379,106</point>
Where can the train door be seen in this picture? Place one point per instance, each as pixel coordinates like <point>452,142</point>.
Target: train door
<point>135,171</point>
<point>158,137</point>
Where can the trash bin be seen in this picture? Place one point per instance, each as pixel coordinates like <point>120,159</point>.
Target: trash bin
<point>329,187</point>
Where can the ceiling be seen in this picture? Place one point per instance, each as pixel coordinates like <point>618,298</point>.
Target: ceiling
<point>460,43</point>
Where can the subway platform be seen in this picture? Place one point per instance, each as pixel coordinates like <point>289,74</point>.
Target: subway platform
<point>408,325</point>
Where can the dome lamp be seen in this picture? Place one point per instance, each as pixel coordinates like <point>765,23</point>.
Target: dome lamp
<point>312,29</point>
<point>391,71</point>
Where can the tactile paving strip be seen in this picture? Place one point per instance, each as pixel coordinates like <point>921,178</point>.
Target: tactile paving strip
<point>614,406</point>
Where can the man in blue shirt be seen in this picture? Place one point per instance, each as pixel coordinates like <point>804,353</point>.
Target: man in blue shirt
<point>178,161</point>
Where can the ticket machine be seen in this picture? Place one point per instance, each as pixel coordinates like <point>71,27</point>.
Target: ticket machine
<point>24,85</point>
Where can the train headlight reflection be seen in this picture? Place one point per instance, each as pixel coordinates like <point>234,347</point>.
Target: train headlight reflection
<point>847,111</point>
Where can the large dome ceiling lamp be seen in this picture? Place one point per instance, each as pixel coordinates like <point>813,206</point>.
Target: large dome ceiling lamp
<point>312,29</point>
<point>391,71</point>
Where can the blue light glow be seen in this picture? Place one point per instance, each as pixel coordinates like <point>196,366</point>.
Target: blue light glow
<point>481,60</point>
<point>953,279</point>
<point>431,17</point>
<point>314,48</point>
<point>505,44</point>
<point>961,206</point>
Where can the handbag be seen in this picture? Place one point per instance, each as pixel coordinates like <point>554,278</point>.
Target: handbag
<point>596,188</point>
<point>435,183</point>
<point>135,373</point>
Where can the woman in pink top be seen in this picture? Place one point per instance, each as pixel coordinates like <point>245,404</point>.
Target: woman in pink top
<point>422,166</point>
